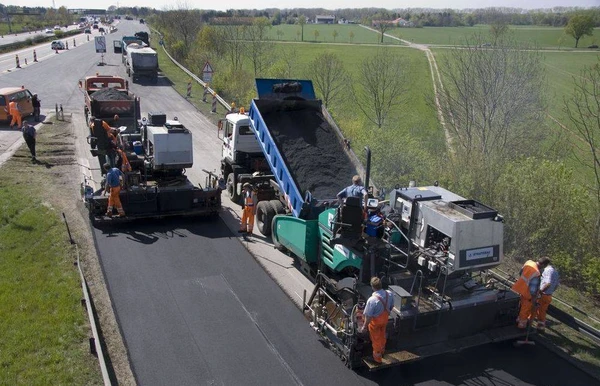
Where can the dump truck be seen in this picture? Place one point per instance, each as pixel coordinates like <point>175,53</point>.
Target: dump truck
<point>120,46</point>
<point>156,186</point>
<point>430,247</point>
<point>106,96</point>
<point>300,160</point>
<point>141,62</point>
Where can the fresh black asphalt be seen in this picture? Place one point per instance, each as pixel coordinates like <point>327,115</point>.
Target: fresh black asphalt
<point>195,308</point>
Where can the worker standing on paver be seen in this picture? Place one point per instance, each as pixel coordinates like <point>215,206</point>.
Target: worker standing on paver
<point>354,190</point>
<point>548,285</point>
<point>15,113</point>
<point>249,210</point>
<point>377,312</point>
<point>29,135</point>
<point>527,285</point>
<point>113,187</point>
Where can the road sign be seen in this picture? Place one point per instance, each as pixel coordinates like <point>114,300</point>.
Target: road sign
<point>100,44</point>
<point>207,72</point>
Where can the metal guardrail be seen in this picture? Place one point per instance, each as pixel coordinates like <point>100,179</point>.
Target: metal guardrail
<point>95,343</point>
<point>560,315</point>
<point>198,80</point>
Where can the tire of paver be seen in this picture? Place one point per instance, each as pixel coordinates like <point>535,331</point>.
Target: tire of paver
<point>264,217</point>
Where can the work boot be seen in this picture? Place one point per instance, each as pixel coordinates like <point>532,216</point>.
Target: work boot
<point>242,231</point>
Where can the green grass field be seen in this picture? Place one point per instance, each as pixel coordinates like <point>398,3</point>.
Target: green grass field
<point>543,37</point>
<point>44,328</point>
<point>346,33</point>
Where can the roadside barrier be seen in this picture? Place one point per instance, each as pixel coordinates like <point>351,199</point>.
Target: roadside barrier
<point>74,44</point>
<point>221,101</point>
<point>17,59</point>
<point>95,341</point>
<point>34,56</point>
<point>214,103</point>
<point>205,93</point>
<point>57,50</point>
<point>189,89</point>
<point>67,44</point>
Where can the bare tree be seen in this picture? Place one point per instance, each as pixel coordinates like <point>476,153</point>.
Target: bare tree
<point>286,61</point>
<point>379,86</point>
<point>583,108</point>
<point>492,99</point>
<point>258,47</point>
<point>233,39</point>
<point>182,24</point>
<point>329,76</point>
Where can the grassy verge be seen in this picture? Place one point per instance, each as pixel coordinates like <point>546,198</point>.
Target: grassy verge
<point>45,331</point>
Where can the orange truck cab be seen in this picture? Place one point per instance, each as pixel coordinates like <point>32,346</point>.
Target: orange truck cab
<point>22,97</point>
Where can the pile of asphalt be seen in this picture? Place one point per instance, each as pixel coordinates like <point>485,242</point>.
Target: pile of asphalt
<point>110,94</point>
<point>309,145</point>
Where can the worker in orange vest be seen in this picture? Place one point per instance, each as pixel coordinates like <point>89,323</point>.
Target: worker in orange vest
<point>114,180</point>
<point>377,311</point>
<point>527,285</point>
<point>249,210</point>
<point>13,110</point>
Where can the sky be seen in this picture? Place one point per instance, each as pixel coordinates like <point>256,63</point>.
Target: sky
<point>329,4</point>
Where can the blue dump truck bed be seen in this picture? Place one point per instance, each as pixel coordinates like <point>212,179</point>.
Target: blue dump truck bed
<point>306,155</point>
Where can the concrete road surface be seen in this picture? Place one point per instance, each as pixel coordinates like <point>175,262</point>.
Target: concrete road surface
<point>193,304</point>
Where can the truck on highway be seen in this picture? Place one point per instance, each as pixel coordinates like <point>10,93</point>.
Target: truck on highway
<point>120,46</point>
<point>431,248</point>
<point>141,62</point>
<point>106,96</point>
<point>154,184</point>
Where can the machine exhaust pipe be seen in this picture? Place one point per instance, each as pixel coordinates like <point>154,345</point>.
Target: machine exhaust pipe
<point>368,169</point>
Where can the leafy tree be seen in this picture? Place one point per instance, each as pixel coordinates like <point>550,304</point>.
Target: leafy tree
<point>351,35</point>
<point>379,86</point>
<point>316,33</point>
<point>302,22</point>
<point>335,34</point>
<point>329,76</point>
<point>579,26</point>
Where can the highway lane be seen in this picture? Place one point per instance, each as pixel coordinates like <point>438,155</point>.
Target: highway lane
<point>193,305</point>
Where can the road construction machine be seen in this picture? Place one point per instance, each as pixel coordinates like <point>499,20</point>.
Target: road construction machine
<point>430,247</point>
<point>154,183</point>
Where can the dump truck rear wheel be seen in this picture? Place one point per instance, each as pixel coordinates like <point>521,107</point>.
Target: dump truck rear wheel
<point>277,206</point>
<point>231,190</point>
<point>264,217</point>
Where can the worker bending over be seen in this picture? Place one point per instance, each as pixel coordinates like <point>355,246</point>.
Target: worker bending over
<point>527,285</point>
<point>354,190</point>
<point>247,224</point>
<point>548,285</point>
<point>377,312</point>
<point>113,187</point>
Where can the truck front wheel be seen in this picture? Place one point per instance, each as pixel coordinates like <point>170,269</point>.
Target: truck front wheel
<point>264,217</point>
<point>231,189</point>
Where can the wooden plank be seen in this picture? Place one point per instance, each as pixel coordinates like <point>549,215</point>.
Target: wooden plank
<point>390,359</point>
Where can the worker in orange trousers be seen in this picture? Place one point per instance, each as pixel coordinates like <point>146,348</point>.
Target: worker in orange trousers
<point>527,285</point>
<point>113,186</point>
<point>250,201</point>
<point>377,311</point>
<point>15,113</point>
<point>549,284</point>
